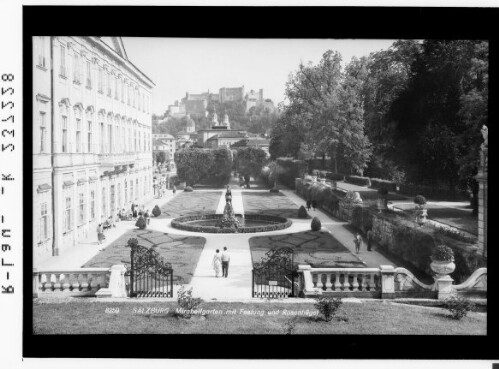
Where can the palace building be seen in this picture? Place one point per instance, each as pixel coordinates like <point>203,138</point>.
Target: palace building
<point>92,135</point>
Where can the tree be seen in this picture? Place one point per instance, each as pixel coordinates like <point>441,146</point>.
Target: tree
<point>162,157</point>
<point>325,113</point>
<point>250,161</point>
<point>193,165</point>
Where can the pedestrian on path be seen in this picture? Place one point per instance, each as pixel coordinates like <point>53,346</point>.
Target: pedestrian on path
<point>225,262</point>
<point>358,241</point>
<point>217,263</point>
<point>370,236</point>
<point>308,204</point>
<point>100,234</point>
<point>146,217</point>
<point>174,189</point>
<point>314,204</point>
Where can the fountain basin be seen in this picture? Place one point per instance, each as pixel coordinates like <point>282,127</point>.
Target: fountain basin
<point>252,223</point>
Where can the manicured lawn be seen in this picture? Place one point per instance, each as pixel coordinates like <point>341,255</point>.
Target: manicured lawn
<point>269,203</point>
<point>90,317</point>
<point>319,249</point>
<point>181,251</point>
<point>191,203</point>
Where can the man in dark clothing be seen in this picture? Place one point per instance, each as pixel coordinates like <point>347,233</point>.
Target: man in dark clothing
<point>308,205</point>
<point>314,204</point>
<point>369,237</point>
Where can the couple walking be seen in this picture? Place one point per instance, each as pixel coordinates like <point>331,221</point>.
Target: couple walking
<point>221,263</point>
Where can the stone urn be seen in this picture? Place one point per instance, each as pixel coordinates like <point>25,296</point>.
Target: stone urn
<point>421,214</point>
<point>442,267</point>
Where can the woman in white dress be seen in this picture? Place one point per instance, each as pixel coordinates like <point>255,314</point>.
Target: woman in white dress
<point>217,263</point>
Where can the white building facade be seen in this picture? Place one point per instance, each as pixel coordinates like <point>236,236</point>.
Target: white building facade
<point>92,135</point>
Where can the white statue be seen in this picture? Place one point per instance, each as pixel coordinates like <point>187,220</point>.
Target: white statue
<point>485,134</point>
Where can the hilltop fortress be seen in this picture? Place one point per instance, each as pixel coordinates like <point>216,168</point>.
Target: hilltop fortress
<point>198,103</point>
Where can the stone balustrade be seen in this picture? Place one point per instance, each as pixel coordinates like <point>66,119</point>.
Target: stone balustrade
<point>85,280</point>
<point>385,282</point>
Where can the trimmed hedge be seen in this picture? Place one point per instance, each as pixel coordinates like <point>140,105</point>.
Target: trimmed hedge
<point>302,212</point>
<point>156,211</point>
<point>432,192</point>
<point>325,197</point>
<point>383,183</point>
<point>335,176</point>
<point>188,189</point>
<point>361,181</point>
<point>182,223</point>
<point>315,224</point>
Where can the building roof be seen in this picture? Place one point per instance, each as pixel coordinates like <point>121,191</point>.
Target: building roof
<point>233,134</point>
<point>159,142</point>
<point>163,135</point>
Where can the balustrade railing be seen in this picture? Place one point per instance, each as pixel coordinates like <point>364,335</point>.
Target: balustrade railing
<point>85,280</point>
<point>347,279</point>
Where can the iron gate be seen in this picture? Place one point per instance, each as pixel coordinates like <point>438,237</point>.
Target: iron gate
<point>149,275</point>
<point>273,277</point>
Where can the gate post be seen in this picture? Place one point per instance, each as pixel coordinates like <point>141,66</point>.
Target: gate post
<point>387,281</point>
<point>117,281</point>
<point>308,288</point>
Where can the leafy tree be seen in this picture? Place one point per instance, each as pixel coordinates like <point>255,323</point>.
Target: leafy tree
<point>162,157</point>
<point>193,165</point>
<point>250,161</point>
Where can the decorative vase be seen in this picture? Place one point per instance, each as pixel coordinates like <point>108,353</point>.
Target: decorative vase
<point>442,268</point>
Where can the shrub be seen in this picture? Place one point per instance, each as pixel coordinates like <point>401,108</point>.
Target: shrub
<point>316,224</point>
<point>274,190</point>
<point>186,302</point>
<point>132,242</point>
<point>302,212</point>
<point>361,181</point>
<point>383,183</point>
<point>291,169</point>
<point>327,306</point>
<point>382,191</point>
<point>335,176</point>
<point>141,223</point>
<point>420,200</point>
<point>442,253</point>
<point>459,306</point>
<point>156,211</point>
<point>188,189</point>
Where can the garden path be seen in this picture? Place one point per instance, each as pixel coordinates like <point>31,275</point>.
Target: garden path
<point>340,231</point>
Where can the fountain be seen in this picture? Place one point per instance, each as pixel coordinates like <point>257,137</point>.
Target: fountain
<point>230,222</point>
<point>228,219</point>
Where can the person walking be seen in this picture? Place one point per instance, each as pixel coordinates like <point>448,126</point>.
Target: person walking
<point>174,189</point>
<point>314,204</point>
<point>358,241</point>
<point>217,263</point>
<point>100,234</point>
<point>308,204</point>
<point>225,262</point>
<point>370,236</point>
<point>146,217</point>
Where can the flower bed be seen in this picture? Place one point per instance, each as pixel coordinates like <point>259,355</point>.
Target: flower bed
<point>275,223</point>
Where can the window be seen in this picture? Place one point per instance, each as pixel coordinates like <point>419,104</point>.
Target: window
<point>137,189</point>
<point>131,190</point>
<point>116,88</point>
<point>44,222</point>
<point>89,75</point>
<point>122,91</point>
<point>104,202</point>
<point>43,130</point>
<point>92,205</point>
<point>110,137</point>
<point>100,82</point>
<point>126,193</point>
<point>145,185</point>
<point>101,137</point>
<point>128,94</point>
<point>64,134</point>
<point>67,216</point>
<point>76,68</point>
<point>109,92</point>
<point>89,134</point>
<point>78,135</point>
<point>119,195</point>
<point>63,61</point>
<point>82,209</point>
<point>41,52</point>
<point>111,195</point>
<point>135,141</point>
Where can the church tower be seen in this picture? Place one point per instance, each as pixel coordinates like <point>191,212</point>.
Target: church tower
<point>226,122</point>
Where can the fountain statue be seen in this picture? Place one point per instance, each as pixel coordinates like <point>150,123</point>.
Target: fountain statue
<point>228,219</point>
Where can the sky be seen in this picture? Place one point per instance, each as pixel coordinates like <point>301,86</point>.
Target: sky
<point>180,65</point>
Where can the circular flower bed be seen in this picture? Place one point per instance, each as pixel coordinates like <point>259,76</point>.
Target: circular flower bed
<point>266,223</point>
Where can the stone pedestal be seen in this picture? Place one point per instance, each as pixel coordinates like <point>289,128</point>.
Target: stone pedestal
<point>443,285</point>
<point>308,289</point>
<point>387,281</point>
<point>117,286</point>
<point>35,283</point>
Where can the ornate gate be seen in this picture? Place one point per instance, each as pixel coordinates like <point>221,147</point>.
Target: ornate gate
<point>274,276</point>
<point>149,273</point>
